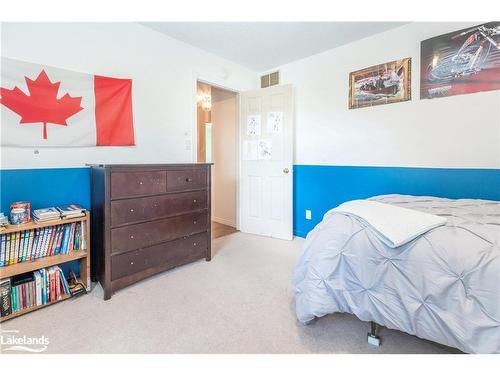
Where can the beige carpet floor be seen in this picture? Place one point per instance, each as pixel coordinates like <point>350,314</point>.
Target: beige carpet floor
<point>240,302</point>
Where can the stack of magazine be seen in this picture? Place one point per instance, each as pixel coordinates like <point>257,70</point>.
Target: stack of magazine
<point>46,214</point>
<point>68,211</point>
<point>71,211</point>
<point>4,221</point>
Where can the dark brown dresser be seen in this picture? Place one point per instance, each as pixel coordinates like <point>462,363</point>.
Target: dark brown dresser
<point>147,219</point>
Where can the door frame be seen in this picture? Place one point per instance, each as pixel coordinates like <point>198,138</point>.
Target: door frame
<point>194,132</point>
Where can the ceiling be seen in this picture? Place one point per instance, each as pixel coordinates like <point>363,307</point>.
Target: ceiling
<point>260,46</point>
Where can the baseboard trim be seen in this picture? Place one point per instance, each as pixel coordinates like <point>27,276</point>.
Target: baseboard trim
<point>300,233</point>
<point>224,221</point>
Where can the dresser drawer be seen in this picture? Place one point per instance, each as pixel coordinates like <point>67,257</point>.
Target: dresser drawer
<point>188,179</point>
<point>156,207</point>
<point>128,184</point>
<point>171,254</point>
<point>146,234</point>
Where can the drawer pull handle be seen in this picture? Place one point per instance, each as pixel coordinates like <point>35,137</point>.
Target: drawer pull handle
<point>131,263</point>
<point>189,179</point>
<point>131,210</point>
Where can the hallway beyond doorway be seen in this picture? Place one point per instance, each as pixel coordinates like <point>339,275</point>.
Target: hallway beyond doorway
<point>221,230</point>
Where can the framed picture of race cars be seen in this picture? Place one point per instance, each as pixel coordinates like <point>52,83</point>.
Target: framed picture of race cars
<point>380,84</point>
<point>461,62</point>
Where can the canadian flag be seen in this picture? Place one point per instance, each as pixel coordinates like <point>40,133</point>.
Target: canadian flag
<point>47,106</point>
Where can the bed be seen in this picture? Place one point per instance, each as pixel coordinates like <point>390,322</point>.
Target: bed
<point>442,286</point>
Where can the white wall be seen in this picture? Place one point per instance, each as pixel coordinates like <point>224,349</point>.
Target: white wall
<point>163,71</point>
<point>224,135</point>
<point>458,131</point>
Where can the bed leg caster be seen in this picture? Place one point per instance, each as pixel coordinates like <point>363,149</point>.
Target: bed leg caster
<point>372,337</point>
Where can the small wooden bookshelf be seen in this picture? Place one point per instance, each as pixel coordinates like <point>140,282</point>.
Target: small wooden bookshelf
<point>83,256</point>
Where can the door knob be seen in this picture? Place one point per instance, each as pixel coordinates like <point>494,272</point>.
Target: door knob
<point>286,170</point>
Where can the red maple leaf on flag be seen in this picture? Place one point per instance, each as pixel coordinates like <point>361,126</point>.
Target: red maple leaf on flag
<point>42,104</point>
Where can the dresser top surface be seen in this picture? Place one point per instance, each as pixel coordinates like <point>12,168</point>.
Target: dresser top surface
<point>149,165</point>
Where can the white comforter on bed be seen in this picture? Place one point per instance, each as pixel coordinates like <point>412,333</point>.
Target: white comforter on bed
<point>393,225</point>
<point>443,286</point>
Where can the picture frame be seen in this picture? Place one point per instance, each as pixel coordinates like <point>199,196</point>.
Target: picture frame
<point>380,84</point>
<point>461,62</point>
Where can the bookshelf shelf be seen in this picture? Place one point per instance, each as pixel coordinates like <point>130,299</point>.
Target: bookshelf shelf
<point>83,256</point>
<point>30,309</point>
<point>33,224</point>
<point>18,268</point>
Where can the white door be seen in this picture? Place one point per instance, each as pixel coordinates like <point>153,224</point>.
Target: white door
<point>266,154</point>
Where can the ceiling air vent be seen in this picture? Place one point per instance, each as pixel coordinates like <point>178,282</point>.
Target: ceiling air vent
<point>270,79</point>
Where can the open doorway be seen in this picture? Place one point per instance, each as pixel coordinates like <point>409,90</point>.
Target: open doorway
<point>217,132</point>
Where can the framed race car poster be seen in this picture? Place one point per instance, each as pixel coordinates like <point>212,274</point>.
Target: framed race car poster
<point>380,84</point>
<point>461,62</point>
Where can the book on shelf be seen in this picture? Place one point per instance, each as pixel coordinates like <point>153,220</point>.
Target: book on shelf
<point>70,211</point>
<point>46,214</point>
<point>5,302</point>
<point>28,245</point>
<point>32,289</point>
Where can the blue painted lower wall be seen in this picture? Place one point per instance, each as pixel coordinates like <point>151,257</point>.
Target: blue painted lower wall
<point>317,188</point>
<point>45,187</point>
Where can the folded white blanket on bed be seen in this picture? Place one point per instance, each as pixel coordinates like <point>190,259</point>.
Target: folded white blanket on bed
<point>394,225</point>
